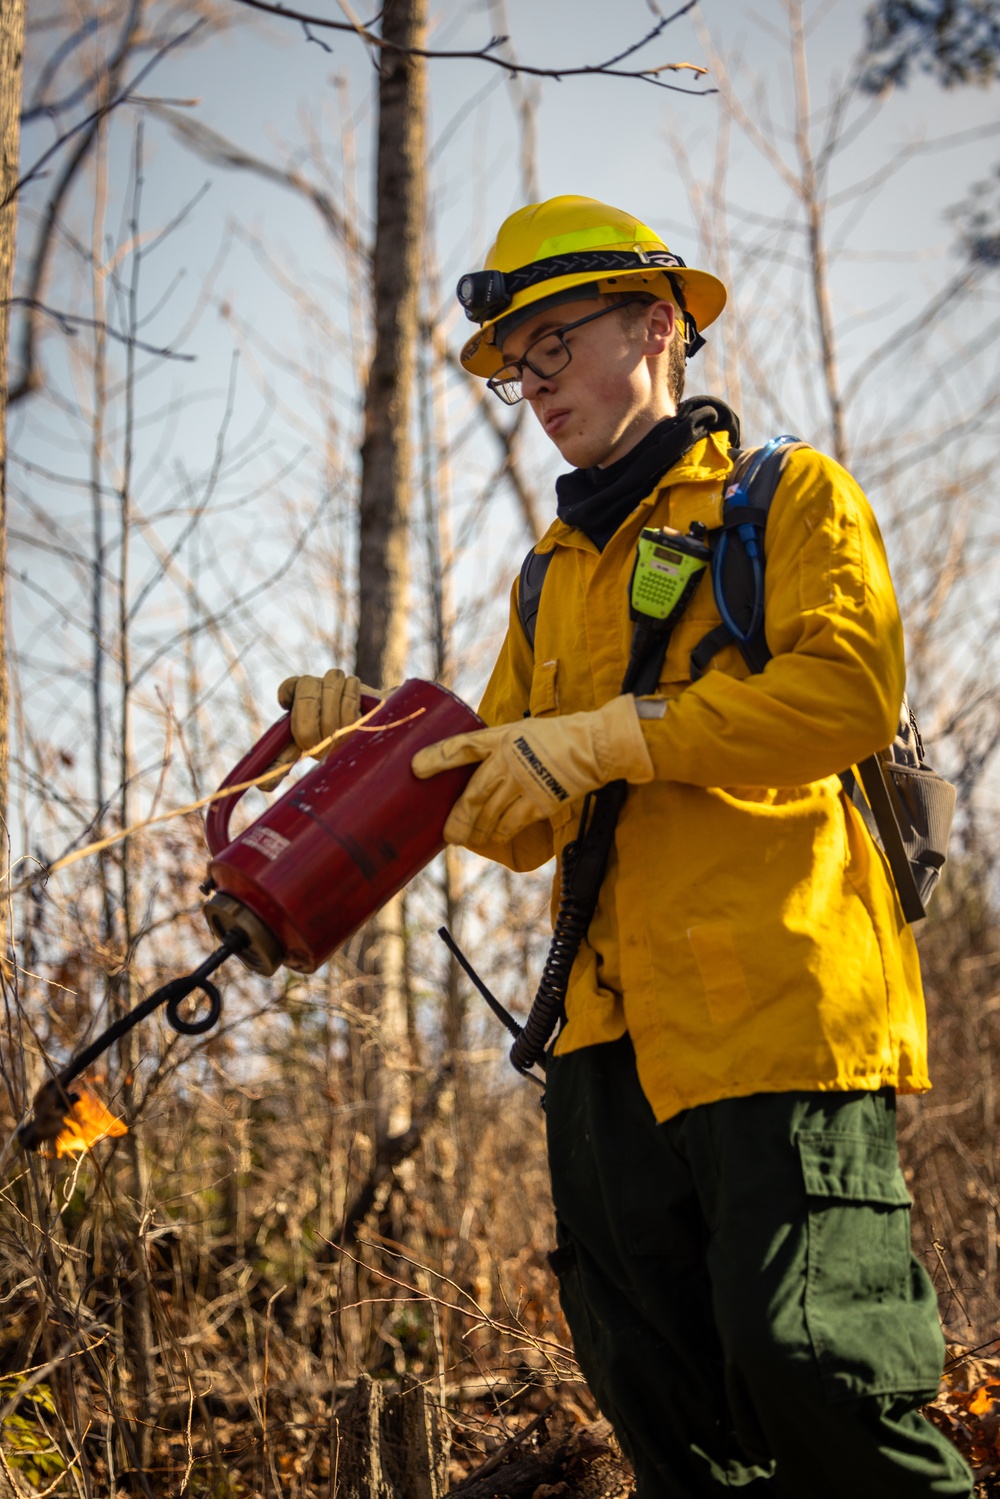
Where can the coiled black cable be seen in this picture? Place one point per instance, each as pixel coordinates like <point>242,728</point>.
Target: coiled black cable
<point>569,931</point>
<point>54,1099</point>
<point>584,862</point>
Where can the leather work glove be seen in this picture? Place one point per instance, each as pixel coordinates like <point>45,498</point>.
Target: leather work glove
<point>536,768</point>
<point>319,707</point>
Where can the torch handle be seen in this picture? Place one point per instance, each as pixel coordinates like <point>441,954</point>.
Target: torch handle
<point>254,763</point>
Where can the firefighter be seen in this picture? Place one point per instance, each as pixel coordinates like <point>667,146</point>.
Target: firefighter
<point>733,1226</point>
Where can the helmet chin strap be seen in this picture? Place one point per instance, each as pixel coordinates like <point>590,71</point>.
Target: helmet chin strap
<point>693,340</point>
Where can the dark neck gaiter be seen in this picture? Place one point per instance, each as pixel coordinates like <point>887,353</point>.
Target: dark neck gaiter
<point>597,500</point>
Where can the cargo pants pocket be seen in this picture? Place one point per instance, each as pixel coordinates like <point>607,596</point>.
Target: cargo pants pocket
<point>870,1308</point>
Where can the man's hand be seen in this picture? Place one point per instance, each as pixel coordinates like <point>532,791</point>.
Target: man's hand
<point>535,768</point>
<point>319,707</point>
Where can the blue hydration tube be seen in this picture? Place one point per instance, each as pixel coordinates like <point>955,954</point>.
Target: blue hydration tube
<point>752,538</point>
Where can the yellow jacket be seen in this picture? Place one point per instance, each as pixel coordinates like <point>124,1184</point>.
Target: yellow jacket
<point>748,935</point>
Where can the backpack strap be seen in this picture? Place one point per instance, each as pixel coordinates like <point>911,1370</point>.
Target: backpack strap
<point>529,590</point>
<point>748,500</point>
<point>738,556</point>
<point>905,806</point>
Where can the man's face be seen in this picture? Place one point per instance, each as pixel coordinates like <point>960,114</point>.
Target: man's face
<point>613,391</point>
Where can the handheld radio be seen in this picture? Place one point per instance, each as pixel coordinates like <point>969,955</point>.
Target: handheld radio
<point>667,570</point>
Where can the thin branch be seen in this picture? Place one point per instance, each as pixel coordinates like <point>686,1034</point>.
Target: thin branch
<point>36,108</point>
<point>217,150</point>
<point>929,315</point>
<point>487,52</point>
<point>70,322</point>
<point>29,378</point>
<point>390,1153</point>
<point>168,556</point>
<point>506,436</point>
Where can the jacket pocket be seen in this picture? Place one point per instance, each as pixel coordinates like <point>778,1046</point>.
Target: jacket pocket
<point>727,996</point>
<point>870,1308</point>
<point>544,695</point>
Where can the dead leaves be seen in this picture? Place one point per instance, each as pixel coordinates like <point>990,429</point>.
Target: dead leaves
<point>968,1412</point>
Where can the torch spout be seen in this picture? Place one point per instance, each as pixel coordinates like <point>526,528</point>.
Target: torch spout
<point>54,1098</point>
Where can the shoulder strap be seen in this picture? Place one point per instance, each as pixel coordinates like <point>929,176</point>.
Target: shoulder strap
<point>529,590</point>
<point>738,556</point>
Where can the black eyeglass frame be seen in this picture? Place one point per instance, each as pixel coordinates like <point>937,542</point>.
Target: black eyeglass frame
<point>496,381</point>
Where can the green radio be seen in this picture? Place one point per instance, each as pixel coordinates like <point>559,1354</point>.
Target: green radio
<point>668,568</point>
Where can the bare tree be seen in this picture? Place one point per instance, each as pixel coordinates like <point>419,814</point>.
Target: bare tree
<point>11,53</point>
<point>386,482</point>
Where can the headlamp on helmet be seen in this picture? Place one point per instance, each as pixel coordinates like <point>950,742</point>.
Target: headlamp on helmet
<point>484,295</point>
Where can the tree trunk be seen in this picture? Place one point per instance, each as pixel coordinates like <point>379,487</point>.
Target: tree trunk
<point>11,53</point>
<point>818,265</point>
<point>385,496</point>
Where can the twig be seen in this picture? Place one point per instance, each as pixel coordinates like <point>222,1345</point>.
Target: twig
<point>478,1312</point>
<point>70,322</point>
<point>502,1453</point>
<point>487,52</point>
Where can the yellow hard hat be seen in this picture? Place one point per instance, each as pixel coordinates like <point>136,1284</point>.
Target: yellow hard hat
<point>547,250</point>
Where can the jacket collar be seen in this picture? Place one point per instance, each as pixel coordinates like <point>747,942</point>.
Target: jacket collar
<point>706,465</point>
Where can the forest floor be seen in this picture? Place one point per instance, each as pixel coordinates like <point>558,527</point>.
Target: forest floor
<point>565,1450</point>
<point>510,1439</point>
<point>540,1441</point>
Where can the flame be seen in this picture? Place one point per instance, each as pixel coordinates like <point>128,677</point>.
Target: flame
<point>87,1122</point>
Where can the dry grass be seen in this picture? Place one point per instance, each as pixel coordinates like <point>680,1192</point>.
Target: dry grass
<point>184,1308</point>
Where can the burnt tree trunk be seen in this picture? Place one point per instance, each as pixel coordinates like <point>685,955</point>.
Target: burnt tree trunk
<point>385,502</point>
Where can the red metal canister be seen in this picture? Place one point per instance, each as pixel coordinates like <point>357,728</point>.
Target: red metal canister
<point>326,856</point>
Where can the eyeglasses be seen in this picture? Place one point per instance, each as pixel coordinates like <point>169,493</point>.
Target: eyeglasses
<point>546,356</point>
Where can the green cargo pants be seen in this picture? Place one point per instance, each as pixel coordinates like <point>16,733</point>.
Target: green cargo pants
<point>741,1291</point>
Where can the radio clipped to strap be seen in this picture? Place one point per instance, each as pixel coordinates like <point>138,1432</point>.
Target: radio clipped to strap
<point>665,576</point>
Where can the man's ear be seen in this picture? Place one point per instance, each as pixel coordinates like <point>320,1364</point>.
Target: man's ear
<point>661,320</point>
